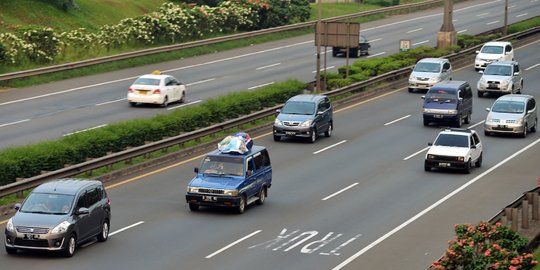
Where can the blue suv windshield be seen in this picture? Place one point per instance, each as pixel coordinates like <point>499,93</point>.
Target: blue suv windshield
<point>223,165</point>
<point>46,203</point>
<point>297,107</point>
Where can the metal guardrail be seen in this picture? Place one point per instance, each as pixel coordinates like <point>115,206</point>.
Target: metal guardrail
<point>182,138</point>
<point>128,55</point>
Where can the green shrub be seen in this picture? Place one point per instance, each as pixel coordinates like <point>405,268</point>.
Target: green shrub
<point>339,83</point>
<point>358,77</point>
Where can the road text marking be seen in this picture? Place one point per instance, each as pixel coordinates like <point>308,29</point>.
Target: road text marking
<point>233,243</point>
<point>337,193</point>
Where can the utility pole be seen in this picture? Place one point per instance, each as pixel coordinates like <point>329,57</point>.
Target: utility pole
<point>505,29</point>
<point>318,30</point>
<point>447,35</point>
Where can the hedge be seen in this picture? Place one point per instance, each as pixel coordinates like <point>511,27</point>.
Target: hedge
<point>28,161</point>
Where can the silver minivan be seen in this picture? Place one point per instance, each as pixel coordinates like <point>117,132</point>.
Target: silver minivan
<point>512,114</point>
<point>429,71</point>
<point>503,77</point>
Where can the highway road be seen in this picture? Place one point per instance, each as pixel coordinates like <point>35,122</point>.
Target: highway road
<point>358,200</point>
<point>59,109</point>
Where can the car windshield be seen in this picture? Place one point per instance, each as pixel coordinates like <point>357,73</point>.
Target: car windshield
<point>498,70</point>
<point>441,96</point>
<point>492,49</point>
<point>147,81</point>
<point>452,140</point>
<point>47,203</point>
<point>297,107</point>
<point>506,106</point>
<point>427,67</point>
<point>223,165</point>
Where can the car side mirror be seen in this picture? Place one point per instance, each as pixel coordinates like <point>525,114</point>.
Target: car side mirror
<point>473,146</point>
<point>488,109</point>
<point>319,113</point>
<point>249,172</point>
<point>82,211</point>
<point>429,143</point>
<point>17,206</point>
<point>278,111</point>
<point>423,97</point>
<point>516,73</point>
<point>196,170</point>
<point>481,71</point>
<point>460,99</point>
<point>477,52</point>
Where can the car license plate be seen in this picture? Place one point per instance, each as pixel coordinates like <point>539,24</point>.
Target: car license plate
<point>494,86</point>
<point>31,236</point>
<point>143,92</point>
<point>438,116</point>
<point>209,198</point>
<point>444,164</point>
<point>290,133</point>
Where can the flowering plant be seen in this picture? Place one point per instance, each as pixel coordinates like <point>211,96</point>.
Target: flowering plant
<point>485,246</point>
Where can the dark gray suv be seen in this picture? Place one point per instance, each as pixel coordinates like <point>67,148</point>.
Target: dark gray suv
<point>58,216</point>
<point>304,116</point>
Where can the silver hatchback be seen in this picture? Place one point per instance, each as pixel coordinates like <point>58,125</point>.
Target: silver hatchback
<point>501,78</point>
<point>512,114</point>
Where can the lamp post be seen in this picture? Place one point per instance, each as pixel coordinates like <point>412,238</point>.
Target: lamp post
<point>318,30</point>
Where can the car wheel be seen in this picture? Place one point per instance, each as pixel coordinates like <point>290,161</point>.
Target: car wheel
<point>262,196</point>
<point>478,162</point>
<point>183,98</point>
<point>525,129</point>
<point>71,245</point>
<point>411,90</point>
<point>313,136</point>
<point>328,132</point>
<point>468,118</point>
<point>459,121</point>
<point>468,167</point>
<point>277,138</point>
<point>476,69</point>
<point>242,205</point>
<point>480,94</point>
<point>104,235</point>
<point>520,87</point>
<point>165,102</point>
<point>193,207</point>
<point>133,104</point>
<point>426,122</point>
<point>534,127</point>
<point>11,251</point>
<point>426,167</point>
<point>487,133</point>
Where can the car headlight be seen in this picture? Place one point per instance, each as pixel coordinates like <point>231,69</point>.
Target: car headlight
<point>230,192</point>
<point>430,156</point>
<point>519,121</point>
<point>277,122</point>
<point>482,80</point>
<point>61,228</point>
<point>192,189</point>
<point>505,82</point>
<point>452,111</point>
<point>306,123</point>
<point>461,158</point>
<point>411,78</point>
<point>9,226</point>
<point>435,79</point>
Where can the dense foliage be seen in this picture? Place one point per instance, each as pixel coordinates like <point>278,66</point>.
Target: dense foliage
<point>28,161</point>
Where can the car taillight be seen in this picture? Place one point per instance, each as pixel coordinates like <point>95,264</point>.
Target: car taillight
<point>157,91</point>
<point>130,90</point>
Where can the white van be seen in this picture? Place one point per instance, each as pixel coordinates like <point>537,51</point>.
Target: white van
<point>493,51</point>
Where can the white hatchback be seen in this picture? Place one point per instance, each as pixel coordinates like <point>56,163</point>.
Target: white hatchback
<point>156,89</point>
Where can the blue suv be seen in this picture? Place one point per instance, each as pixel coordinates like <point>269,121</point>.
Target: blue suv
<point>231,180</point>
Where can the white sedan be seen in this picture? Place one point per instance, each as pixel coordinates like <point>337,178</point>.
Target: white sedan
<point>156,89</point>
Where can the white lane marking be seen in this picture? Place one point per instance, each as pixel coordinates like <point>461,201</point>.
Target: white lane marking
<point>272,65</point>
<point>185,104</point>
<point>416,153</point>
<point>428,16</point>
<point>322,69</point>
<point>481,122</point>
<point>260,85</point>
<point>421,42</point>
<point>330,196</point>
<point>328,147</point>
<point>462,31</point>
<point>377,54</point>
<point>203,81</point>
<point>109,102</point>
<point>454,20</point>
<point>483,14</point>
<point>493,22</point>
<point>531,67</point>
<point>327,51</point>
<point>431,207</point>
<point>79,131</point>
<point>521,15</point>
<point>375,40</point>
<point>512,6</point>
<point>397,120</point>
<point>233,243</point>
<point>125,228</point>
<point>415,30</point>
<point>13,123</point>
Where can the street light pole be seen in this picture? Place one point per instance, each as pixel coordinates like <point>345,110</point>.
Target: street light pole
<point>318,31</point>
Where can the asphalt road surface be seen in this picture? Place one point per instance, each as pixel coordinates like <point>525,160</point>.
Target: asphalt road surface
<point>59,109</point>
<point>357,200</point>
